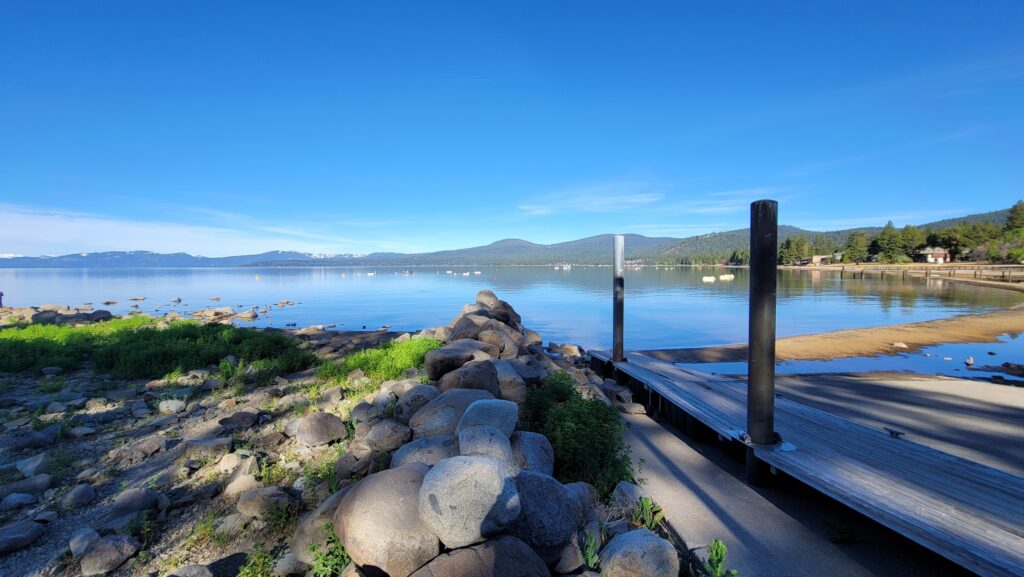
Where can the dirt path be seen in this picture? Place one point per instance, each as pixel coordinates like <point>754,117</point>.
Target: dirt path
<point>975,328</point>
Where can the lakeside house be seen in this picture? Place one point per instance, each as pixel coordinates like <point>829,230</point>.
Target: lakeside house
<point>933,255</point>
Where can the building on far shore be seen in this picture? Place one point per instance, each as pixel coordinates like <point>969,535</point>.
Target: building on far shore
<point>933,255</point>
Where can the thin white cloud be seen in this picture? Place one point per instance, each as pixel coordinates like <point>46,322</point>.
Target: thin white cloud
<point>726,201</point>
<point>595,198</point>
<point>35,231</point>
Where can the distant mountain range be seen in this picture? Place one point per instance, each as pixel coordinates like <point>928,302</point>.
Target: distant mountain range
<point>590,250</point>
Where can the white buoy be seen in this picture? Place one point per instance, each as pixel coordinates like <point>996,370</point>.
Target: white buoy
<point>969,361</point>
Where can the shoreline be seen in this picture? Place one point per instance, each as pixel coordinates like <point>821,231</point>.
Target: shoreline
<point>866,342</point>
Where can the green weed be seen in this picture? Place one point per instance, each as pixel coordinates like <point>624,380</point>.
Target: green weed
<point>715,566</point>
<point>259,563</point>
<point>647,514</point>
<point>591,557</point>
<point>331,559</point>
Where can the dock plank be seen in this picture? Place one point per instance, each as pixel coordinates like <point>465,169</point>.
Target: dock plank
<point>968,512</point>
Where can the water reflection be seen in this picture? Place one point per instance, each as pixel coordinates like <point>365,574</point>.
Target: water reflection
<point>664,307</point>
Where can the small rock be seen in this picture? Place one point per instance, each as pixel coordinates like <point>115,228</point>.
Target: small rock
<point>81,540</point>
<point>17,501</point>
<point>78,495</point>
<point>900,345</point>
<point>639,552</point>
<point>18,535</point>
<point>414,400</point>
<point>320,429</point>
<point>37,465</point>
<point>207,448</point>
<point>387,435</point>
<point>192,571</point>
<point>33,485</point>
<point>108,554</point>
<point>263,501</point>
<point>171,406</point>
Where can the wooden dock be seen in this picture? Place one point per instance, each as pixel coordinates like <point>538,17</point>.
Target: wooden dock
<point>970,513</point>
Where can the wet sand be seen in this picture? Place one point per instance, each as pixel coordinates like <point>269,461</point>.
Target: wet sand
<point>976,328</point>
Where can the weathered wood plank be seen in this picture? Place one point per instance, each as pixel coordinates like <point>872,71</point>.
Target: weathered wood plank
<point>970,513</point>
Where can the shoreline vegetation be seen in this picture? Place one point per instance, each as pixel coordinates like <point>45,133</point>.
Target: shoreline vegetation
<point>177,447</point>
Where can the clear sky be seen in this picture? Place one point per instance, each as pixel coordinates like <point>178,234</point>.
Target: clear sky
<point>237,127</point>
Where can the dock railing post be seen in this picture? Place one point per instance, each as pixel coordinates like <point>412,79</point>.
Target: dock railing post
<point>618,295</point>
<point>764,231</point>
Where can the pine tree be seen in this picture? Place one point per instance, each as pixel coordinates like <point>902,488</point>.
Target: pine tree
<point>1015,219</point>
<point>856,248</point>
<point>890,245</point>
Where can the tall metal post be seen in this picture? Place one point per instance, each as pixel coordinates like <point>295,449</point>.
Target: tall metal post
<point>764,232</point>
<point>618,295</point>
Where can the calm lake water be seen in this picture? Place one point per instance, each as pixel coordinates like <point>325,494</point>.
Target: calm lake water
<point>664,308</point>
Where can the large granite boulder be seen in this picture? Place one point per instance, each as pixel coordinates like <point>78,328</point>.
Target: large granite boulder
<point>441,416</point>
<point>379,525</point>
<point>550,512</point>
<point>486,441</point>
<point>466,499</point>
<point>511,384</point>
<point>428,450</point>
<point>533,452</point>
<point>413,400</point>
<point>480,375</point>
<point>501,415</point>
<point>503,556</point>
<point>639,553</point>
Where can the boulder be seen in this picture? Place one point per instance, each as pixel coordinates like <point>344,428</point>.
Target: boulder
<point>550,512</point>
<point>33,485</point>
<point>17,501</point>
<point>108,554</point>
<point>639,553</point>
<point>532,375</point>
<point>192,571</point>
<point>440,362</point>
<point>486,441</point>
<point>134,501</point>
<point>81,540</point>
<point>37,465</point>
<point>428,450</point>
<point>320,429</point>
<point>387,435</point>
<point>487,298</point>
<point>441,416</point>
<point>503,556</point>
<point>479,375</point>
<point>413,400</point>
<point>466,499</point>
<point>377,521</point>
<point>533,452</point>
<point>239,421</point>
<point>501,415</point>
<point>511,384</point>
<point>310,530</point>
<point>18,535</point>
<point>207,448</point>
<point>78,496</point>
<point>264,501</point>
<point>625,496</point>
<point>504,341</point>
<point>171,406</point>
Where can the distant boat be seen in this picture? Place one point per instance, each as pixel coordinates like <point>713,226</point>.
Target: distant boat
<point>447,272</point>
<point>406,272</point>
<point>257,277</point>
<point>726,277</point>
<point>708,279</point>
<point>558,268</point>
<point>371,274</point>
<point>477,273</point>
<point>465,273</point>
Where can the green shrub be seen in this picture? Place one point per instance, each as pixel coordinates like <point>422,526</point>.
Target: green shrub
<point>259,563</point>
<point>136,347</point>
<point>586,434</point>
<point>331,559</point>
<point>389,361</point>
<point>647,514</point>
<point>556,388</point>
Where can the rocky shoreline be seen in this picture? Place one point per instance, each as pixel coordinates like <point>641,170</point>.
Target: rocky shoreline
<point>427,475</point>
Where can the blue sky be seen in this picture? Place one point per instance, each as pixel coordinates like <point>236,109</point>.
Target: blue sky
<point>237,127</point>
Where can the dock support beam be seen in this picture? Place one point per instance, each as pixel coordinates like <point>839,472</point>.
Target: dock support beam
<point>618,296</point>
<point>764,232</point>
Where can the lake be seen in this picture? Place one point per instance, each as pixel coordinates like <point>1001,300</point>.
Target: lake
<point>667,307</point>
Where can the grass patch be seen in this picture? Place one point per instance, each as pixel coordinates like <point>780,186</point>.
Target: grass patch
<point>136,347</point>
<point>586,434</point>
<point>331,559</point>
<point>259,563</point>
<point>382,363</point>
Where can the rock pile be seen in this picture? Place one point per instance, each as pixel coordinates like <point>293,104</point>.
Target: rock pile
<point>52,315</point>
